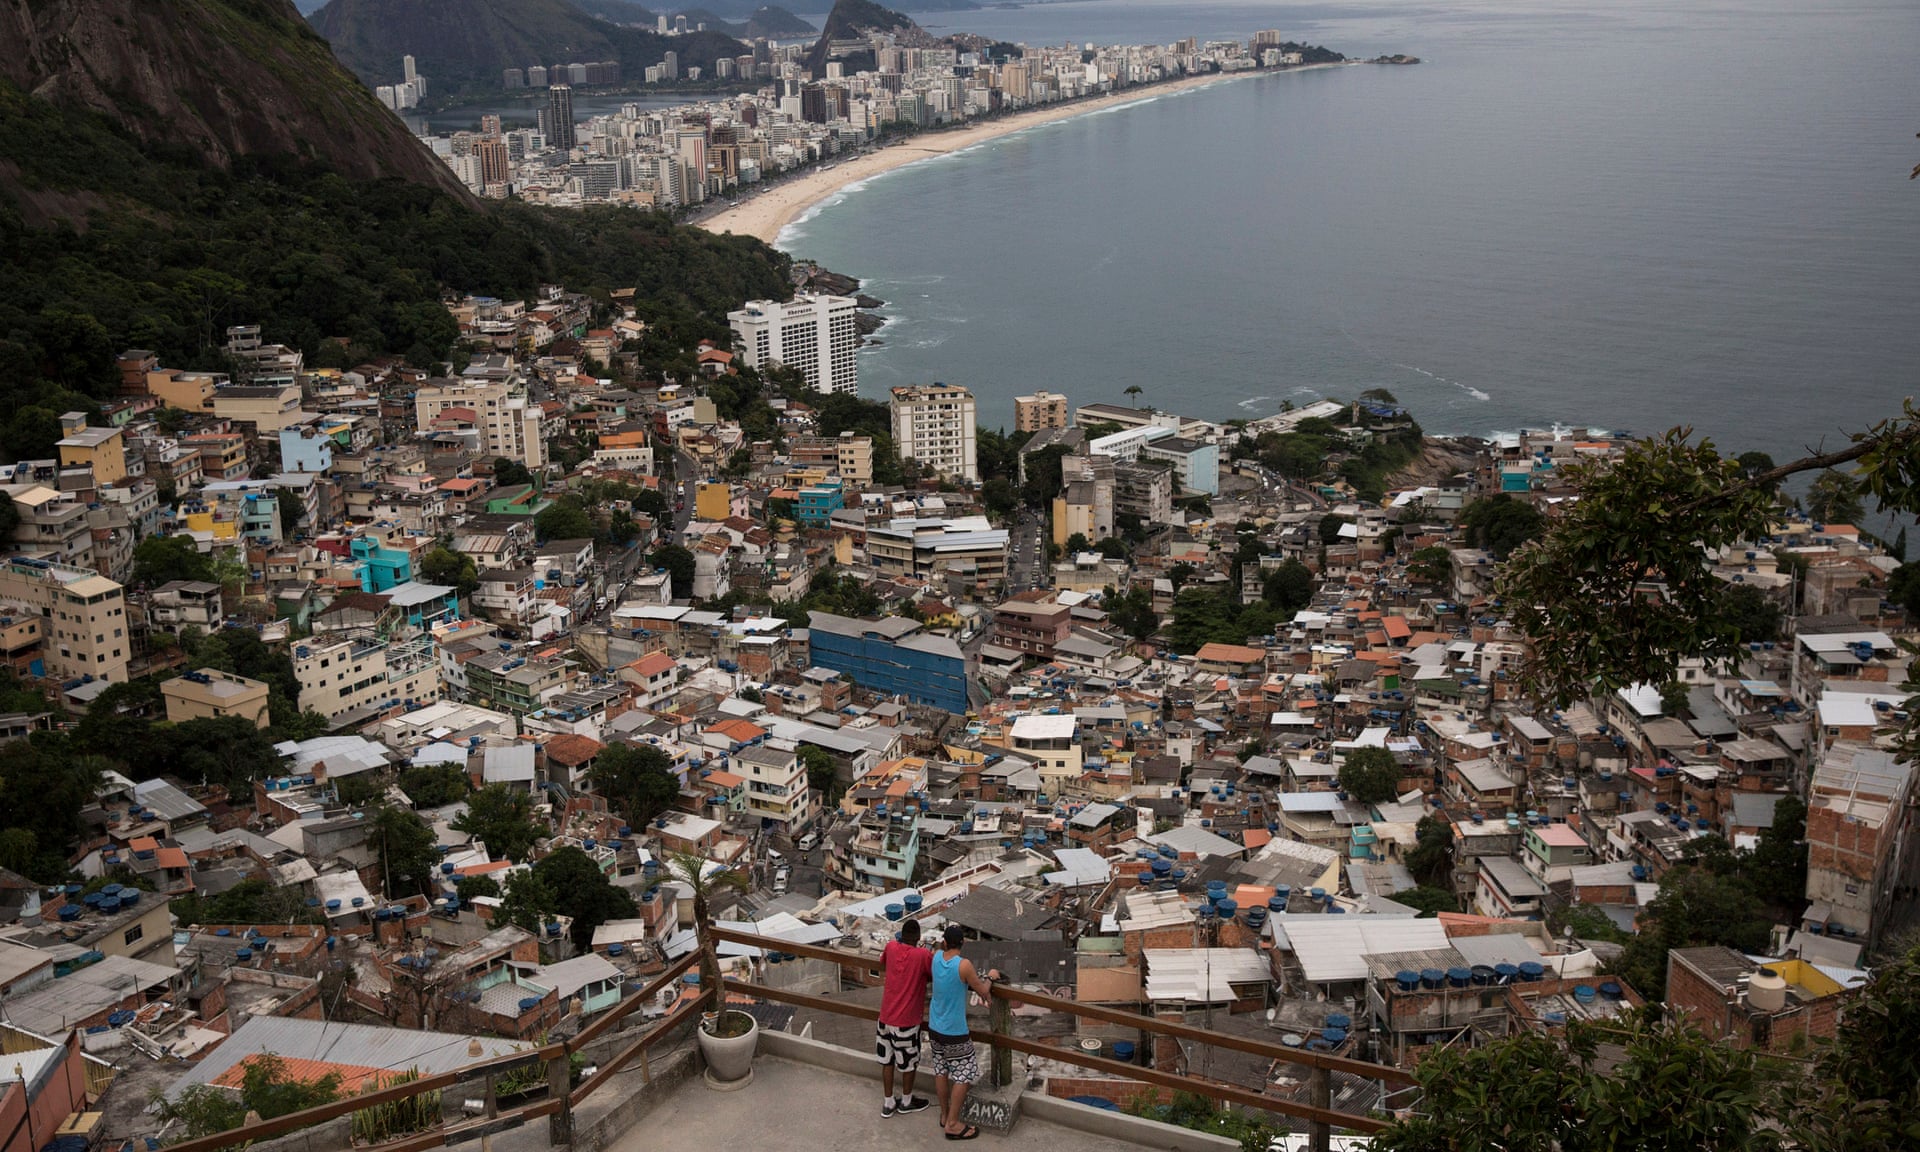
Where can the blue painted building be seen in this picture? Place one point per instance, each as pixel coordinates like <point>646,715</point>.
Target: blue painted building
<point>380,567</point>
<point>892,655</point>
<point>305,448</point>
<point>818,503</point>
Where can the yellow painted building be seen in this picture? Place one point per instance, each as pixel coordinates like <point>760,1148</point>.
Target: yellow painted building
<point>211,694</point>
<point>83,617</point>
<point>104,450</point>
<point>187,391</point>
<point>211,519</point>
<point>713,501</point>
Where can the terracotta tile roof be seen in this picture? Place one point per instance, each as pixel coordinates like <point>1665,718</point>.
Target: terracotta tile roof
<point>652,664</point>
<point>1230,654</point>
<point>738,730</point>
<point>352,1076</point>
<point>570,749</point>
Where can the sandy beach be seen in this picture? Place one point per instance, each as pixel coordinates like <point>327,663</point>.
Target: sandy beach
<point>766,213</point>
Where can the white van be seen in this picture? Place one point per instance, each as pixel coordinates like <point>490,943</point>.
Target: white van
<point>808,841</point>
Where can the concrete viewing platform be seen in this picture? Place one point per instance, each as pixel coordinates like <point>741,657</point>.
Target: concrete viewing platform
<point>791,1104</point>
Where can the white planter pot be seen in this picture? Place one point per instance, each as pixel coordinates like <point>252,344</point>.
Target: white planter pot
<point>729,1059</point>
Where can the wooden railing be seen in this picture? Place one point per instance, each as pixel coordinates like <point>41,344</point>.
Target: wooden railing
<point>563,1098</point>
<point>558,1106</point>
<point>1321,1117</point>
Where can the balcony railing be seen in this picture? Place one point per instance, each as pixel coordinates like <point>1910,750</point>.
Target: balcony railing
<point>1321,1117</point>
<point>563,1098</point>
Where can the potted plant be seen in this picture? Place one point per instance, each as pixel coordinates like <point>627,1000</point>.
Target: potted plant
<point>727,1037</point>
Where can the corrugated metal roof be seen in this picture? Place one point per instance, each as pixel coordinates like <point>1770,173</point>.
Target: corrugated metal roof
<point>1202,975</point>
<point>1079,866</point>
<point>51,1008</point>
<point>358,1045</point>
<point>513,763</point>
<point>1197,840</point>
<point>1332,948</point>
<point>168,801</point>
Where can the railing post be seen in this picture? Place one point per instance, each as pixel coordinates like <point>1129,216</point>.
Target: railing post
<point>1320,1095</point>
<point>1000,1018</point>
<point>560,1087</point>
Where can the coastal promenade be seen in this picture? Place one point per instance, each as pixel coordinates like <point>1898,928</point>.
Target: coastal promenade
<point>764,214</point>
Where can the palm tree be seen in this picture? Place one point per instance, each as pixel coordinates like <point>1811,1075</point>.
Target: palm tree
<point>692,871</point>
<point>1133,394</point>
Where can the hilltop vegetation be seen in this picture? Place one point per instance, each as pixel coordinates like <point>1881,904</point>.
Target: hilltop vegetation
<point>113,240</point>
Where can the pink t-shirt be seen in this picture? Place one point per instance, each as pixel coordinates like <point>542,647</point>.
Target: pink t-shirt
<point>903,1003</point>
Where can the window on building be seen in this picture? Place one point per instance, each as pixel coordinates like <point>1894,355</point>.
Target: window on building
<point>133,934</point>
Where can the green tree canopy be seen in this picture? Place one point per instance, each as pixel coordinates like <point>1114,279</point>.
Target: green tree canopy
<point>679,565</point>
<point>502,818</point>
<point>1429,901</point>
<point>637,779</point>
<point>822,775</point>
<point>1288,588</point>
<point>252,901</point>
<point>1500,524</point>
<point>564,519</point>
<point>1834,498</point>
<point>434,785</point>
<point>528,903</point>
<point>581,890</point>
<point>1371,775</point>
<point>1753,614</point>
<point>1432,565</point>
<point>1659,1086</point>
<point>159,560</point>
<point>443,565</point>
<point>1132,611</point>
<point>469,887</point>
<point>507,470</point>
<point>406,849</point>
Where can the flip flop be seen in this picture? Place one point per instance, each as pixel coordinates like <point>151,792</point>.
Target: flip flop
<point>967,1133</point>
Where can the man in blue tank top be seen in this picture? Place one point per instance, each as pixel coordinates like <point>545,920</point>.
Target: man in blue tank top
<point>954,1066</point>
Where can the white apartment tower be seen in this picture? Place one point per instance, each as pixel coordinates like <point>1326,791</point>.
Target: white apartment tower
<point>508,423</point>
<point>814,335</point>
<point>934,424</point>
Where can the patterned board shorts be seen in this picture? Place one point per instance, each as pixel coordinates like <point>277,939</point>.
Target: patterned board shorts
<point>899,1047</point>
<point>956,1061</point>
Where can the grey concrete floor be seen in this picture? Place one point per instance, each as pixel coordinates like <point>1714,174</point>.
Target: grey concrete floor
<point>794,1106</point>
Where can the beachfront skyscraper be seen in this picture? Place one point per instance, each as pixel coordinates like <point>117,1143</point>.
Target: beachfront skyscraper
<point>934,424</point>
<point>814,335</point>
<point>560,117</point>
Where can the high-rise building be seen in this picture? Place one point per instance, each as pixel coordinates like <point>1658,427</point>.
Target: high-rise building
<point>693,152</point>
<point>560,132</point>
<point>813,104</point>
<point>406,66</point>
<point>83,617</point>
<point>1039,411</point>
<point>815,335</point>
<point>934,424</point>
<point>537,76</point>
<point>513,78</point>
<point>491,151</point>
<point>670,66</point>
<point>490,126</point>
<point>508,421</point>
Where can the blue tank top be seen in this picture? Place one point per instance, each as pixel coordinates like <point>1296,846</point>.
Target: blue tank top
<point>948,1016</point>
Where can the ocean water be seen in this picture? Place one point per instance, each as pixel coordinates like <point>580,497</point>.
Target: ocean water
<point>1637,215</point>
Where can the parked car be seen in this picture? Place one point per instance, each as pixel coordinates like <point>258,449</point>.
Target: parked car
<point>780,877</point>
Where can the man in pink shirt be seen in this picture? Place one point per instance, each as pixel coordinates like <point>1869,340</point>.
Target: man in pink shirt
<point>903,1008</point>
